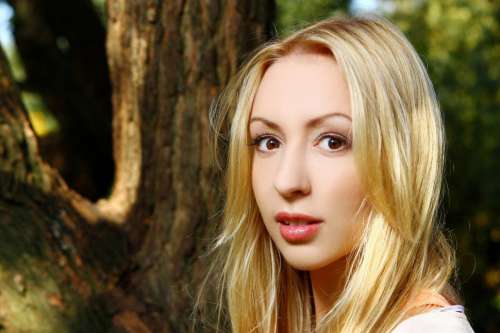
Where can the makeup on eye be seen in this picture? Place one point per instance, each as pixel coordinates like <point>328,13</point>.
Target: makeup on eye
<point>335,139</point>
<point>335,142</point>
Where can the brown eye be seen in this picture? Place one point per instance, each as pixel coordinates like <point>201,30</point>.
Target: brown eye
<point>272,143</point>
<point>266,143</point>
<point>332,143</point>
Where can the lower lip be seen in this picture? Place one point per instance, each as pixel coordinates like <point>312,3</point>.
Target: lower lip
<point>299,233</point>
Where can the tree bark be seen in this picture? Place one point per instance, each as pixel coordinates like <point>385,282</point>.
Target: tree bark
<point>62,46</point>
<point>130,262</point>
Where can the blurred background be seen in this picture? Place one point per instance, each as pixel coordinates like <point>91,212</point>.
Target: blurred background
<point>458,40</point>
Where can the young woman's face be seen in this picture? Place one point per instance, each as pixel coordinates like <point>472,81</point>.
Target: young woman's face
<point>303,162</point>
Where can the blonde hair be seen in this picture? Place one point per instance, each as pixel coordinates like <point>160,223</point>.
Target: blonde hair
<point>398,144</point>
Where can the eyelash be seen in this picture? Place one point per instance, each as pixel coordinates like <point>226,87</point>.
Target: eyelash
<point>345,142</point>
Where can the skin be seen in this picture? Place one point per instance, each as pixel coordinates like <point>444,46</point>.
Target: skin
<point>301,168</point>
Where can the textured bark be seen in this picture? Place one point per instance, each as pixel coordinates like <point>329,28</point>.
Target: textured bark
<point>52,269</point>
<point>62,46</point>
<point>168,60</point>
<point>130,262</point>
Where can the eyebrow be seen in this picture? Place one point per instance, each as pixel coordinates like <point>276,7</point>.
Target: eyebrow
<point>311,123</point>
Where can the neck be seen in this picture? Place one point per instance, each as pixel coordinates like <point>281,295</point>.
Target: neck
<point>327,283</point>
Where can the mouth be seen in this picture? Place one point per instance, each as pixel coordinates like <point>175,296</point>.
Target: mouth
<point>298,223</point>
<point>296,218</point>
<point>298,228</point>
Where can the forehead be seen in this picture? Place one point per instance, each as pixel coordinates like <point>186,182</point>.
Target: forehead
<point>302,85</point>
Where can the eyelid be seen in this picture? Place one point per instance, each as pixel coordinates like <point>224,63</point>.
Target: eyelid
<point>263,135</point>
<point>257,140</point>
<point>346,141</point>
<point>331,134</point>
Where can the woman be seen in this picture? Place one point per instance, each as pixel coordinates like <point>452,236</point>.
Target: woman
<point>333,181</point>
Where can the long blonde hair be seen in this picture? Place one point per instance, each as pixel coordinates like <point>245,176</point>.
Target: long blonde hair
<point>398,144</point>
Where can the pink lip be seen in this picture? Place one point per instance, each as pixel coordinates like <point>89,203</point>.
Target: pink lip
<point>284,216</point>
<point>298,233</point>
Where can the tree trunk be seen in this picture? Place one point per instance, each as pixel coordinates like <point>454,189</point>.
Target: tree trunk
<point>62,46</point>
<point>128,263</point>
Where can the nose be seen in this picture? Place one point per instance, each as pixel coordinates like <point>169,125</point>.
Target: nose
<point>291,178</point>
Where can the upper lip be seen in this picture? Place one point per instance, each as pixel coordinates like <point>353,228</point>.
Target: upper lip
<point>295,217</point>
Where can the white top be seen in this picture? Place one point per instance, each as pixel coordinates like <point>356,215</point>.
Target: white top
<point>447,319</point>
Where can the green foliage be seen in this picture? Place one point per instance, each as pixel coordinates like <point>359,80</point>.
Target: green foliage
<point>42,121</point>
<point>15,62</point>
<point>460,42</point>
<point>100,7</point>
<point>296,13</point>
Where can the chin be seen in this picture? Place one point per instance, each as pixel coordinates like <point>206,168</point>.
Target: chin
<point>306,266</point>
<point>306,260</point>
<point>310,258</point>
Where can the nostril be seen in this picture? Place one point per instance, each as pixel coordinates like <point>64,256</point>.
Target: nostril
<point>292,187</point>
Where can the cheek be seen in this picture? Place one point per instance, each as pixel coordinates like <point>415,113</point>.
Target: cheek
<point>262,172</point>
<point>339,185</point>
<point>339,194</point>
<point>266,197</point>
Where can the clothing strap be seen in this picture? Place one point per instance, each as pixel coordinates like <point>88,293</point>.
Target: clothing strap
<point>451,308</point>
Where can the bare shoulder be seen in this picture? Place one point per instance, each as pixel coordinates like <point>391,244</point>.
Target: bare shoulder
<point>448,319</point>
